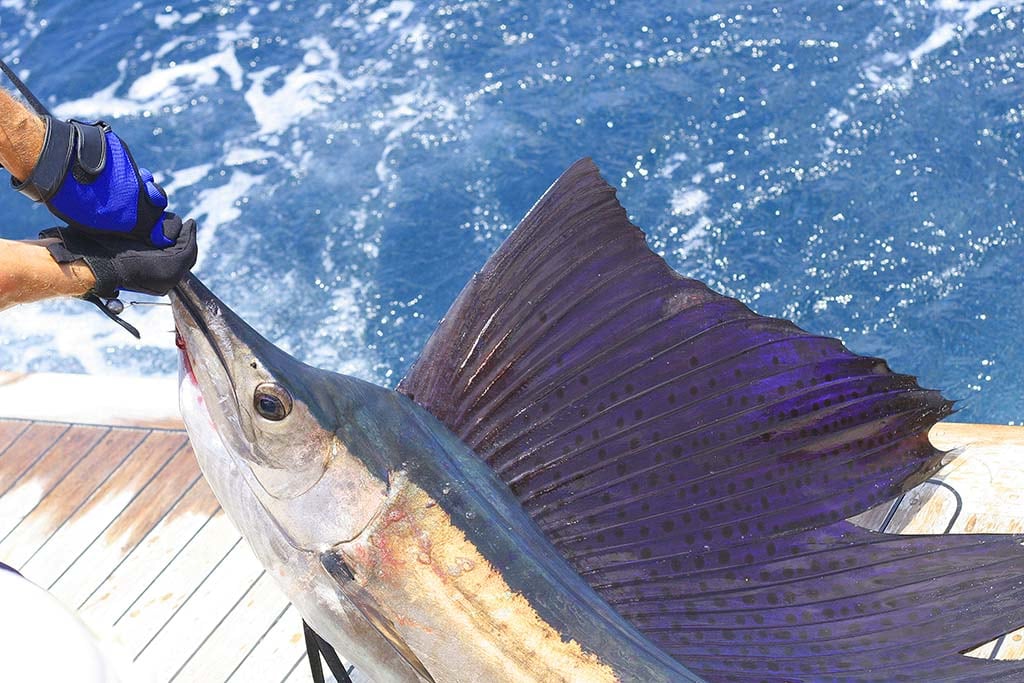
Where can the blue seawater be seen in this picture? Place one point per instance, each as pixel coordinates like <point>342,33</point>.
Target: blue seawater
<point>854,166</point>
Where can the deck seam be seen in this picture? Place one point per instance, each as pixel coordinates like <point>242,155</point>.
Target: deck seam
<point>21,432</point>
<point>185,601</point>
<point>118,515</point>
<point>218,625</point>
<point>147,428</point>
<point>84,501</point>
<point>35,460</point>
<point>257,643</point>
<point>55,484</point>
<point>294,667</point>
<point>162,570</point>
<point>142,539</point>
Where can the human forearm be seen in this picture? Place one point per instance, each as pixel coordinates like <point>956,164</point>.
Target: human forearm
<point>21,136</point>
<point>119,233</point>
<point>29,273</point>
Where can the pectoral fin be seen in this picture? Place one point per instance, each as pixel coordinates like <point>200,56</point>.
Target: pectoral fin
<point>367,606</point>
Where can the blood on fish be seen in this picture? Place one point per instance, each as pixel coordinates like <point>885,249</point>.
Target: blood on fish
<point>394,516</point>
<point>186,362</point>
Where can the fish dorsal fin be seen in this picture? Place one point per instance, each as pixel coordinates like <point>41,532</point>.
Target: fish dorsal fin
<point>666,436</point>
<point>591,377</point>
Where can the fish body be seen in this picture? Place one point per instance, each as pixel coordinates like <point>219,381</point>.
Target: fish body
<point>297,572</point>
<point>596,470</point>
<point>406,553</point>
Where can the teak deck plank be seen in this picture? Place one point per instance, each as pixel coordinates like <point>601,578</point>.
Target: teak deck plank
<point>172,587</point>
<point>225,648</point>
<point>116,561</point>
<point>198,615</point>
<point>272,657</point>
<point>17,496</point>
<point>119,524</point>
<point>105,505</point>
<point>112,547</point>
<point>24,527</point>
<point>10,430</point>
<point>29,445</point>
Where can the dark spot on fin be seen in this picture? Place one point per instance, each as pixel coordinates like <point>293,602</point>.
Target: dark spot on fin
<point>700,476</point>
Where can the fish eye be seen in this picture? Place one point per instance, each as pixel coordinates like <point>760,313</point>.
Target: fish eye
<point>272,401</point>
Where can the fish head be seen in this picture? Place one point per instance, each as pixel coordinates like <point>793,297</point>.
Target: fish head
<point>281,424</point>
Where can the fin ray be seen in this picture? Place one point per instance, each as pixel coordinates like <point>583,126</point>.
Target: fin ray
<point>668,440</point>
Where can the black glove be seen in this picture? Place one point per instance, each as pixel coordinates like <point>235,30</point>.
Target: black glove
<point>121,263</point>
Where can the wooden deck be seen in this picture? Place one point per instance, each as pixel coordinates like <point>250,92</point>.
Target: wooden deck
<point>980,489</point>
<point>118,524</point>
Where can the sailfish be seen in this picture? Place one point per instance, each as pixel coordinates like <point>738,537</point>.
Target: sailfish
<point>597,470</point>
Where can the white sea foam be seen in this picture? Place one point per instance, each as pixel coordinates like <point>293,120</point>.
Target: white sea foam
<point>276,111</point>
<point>962,24</point>
<point>31,24</point>
<point>168,20</point>
<point>307,88</point>
<point>74,329</point>
<point>168,84</point>
<point>346,315</point>
<point>169,46</point>
<point>688,201</point>
<point>184,177</point>
<point>954,20</point>
<point>693,240</point>
<point>939,38</point>
<point>408,111</point>
<point>161,87</point>
<point>164,85</point>
<point>241,155</point>
<point>670,164</point>
<point>393,16</point>
<point>218,206</point>
<point>837,118</point>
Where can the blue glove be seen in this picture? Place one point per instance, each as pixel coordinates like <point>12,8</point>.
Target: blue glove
<point>87,178</point>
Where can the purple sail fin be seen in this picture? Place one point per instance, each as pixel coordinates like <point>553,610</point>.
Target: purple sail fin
<point>642,419</point>
<point>837,603</point>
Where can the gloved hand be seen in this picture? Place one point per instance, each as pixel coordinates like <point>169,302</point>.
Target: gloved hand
<point>88,178</point>
<point>121,263</point>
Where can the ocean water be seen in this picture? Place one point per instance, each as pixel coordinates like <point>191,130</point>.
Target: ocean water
<point>854,166</point>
